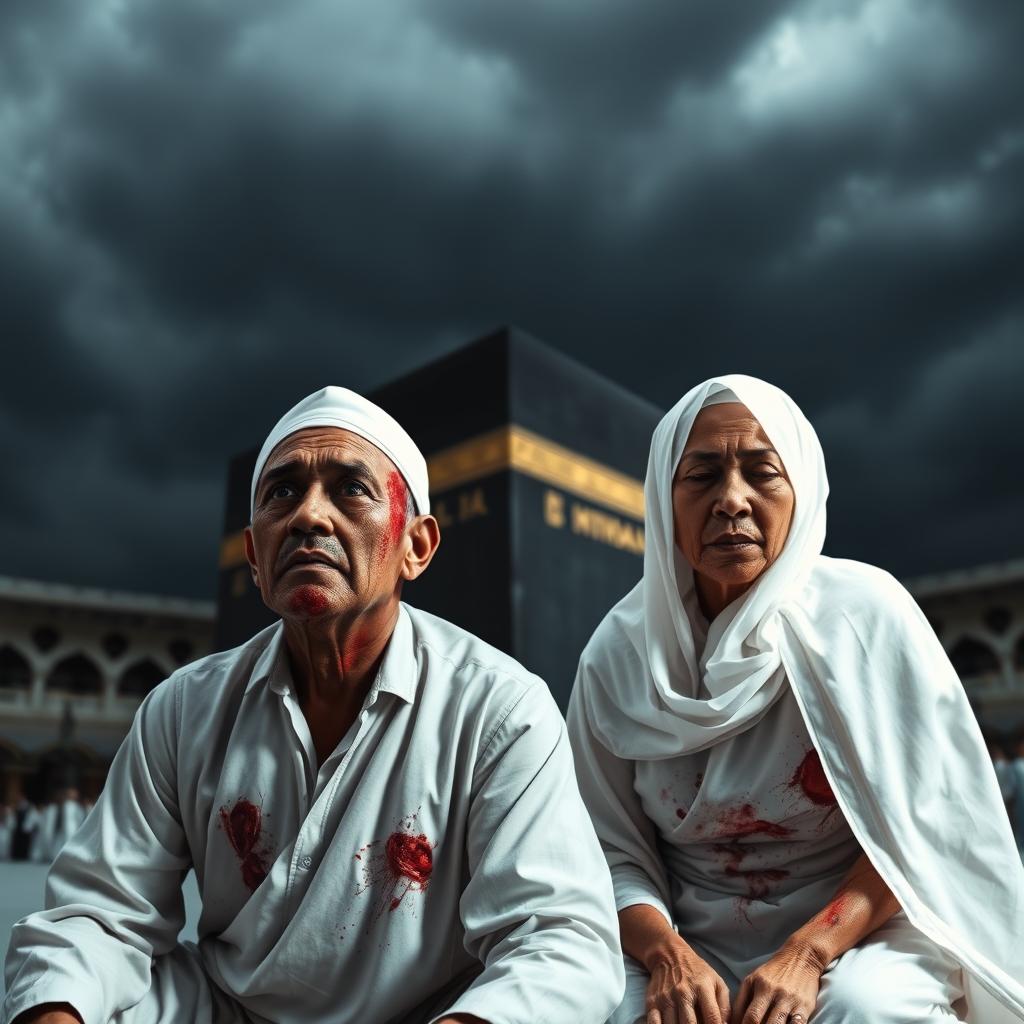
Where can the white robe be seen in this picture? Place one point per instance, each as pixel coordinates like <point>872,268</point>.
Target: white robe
<point>882,704</point>
<point>439,858</point>
<point>753,845</point>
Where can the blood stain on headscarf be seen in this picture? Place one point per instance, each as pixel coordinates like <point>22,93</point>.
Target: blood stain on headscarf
<point>243,825</point>
<point>810,779</point>
<point>397,503</point>
<point>308,600</point>
<point>396,866</point>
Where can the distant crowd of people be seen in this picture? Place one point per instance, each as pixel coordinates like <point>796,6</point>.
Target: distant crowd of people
<point>1010,772</point>
<point>36,832</point>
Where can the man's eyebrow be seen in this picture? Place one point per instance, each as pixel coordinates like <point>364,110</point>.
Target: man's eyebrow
<point>743,453</point>
<point>299,468</point>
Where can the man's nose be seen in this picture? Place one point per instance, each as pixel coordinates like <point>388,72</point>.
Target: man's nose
<point>311,515</point>
<point>733,499</point>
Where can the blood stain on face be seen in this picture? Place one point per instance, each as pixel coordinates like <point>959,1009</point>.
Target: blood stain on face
<point>809,777</point>
<point>397,501</point>
<point>308,600</point>
<point>243,825</point>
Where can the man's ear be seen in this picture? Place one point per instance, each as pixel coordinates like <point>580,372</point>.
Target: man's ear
<point>425,535</point>
<point>250,555</point>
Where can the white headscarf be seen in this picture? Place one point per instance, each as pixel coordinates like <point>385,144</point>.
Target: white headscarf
<point>897,738</point>
<point>339,407</point>
<point>741,664</point>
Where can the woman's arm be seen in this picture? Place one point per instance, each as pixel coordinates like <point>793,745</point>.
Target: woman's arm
<point>863,903</point>
<point>681,984</point>
<point>788,983</point>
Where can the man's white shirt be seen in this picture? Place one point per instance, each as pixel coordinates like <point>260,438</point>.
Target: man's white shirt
<point>442,847</point>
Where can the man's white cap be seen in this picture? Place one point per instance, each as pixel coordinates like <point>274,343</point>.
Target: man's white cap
<point>339,407</point>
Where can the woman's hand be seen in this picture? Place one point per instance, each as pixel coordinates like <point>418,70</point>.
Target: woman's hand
<point>684,989</point>
<point>783,990</point>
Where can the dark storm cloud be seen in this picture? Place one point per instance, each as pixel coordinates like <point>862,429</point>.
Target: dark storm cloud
<point>210,209</point>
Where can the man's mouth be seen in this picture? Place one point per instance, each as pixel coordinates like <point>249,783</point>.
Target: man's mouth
<point>310,560</point>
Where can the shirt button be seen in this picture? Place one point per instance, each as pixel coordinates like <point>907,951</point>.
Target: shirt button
<point>306,861</point>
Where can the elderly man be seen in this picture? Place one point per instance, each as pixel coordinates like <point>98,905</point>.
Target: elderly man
<point>381,809</point>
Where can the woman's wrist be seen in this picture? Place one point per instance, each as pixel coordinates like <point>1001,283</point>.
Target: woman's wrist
<point>813,951</point>
<point>668,948</point>
<point>646,933</point>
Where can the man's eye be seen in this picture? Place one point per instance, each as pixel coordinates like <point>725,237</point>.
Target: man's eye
<point>281,491</point>
<point>353,489</point>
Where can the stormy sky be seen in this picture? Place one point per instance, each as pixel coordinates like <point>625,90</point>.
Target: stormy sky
<point>208,209</point>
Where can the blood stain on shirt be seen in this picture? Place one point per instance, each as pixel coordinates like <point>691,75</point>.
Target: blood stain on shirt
<point>243,825</point>
<point>411,857</point>
<point>758,881</point>
<point>397,503</point>
<point>732,824</point>
<point>397,866</point>
<point>680,813</point>
<point>810,778</point>
<point>737,822</point>
<point>308,600</point>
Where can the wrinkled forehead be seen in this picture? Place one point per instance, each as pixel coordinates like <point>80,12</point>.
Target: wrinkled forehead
<point>334,444</point>
<point>723,422</point>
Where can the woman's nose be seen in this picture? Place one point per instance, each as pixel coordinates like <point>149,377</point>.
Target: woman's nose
<point>733,499</point>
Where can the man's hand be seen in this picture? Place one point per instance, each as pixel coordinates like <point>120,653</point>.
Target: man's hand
<point>783,989</point>
<point>684,989</point>
<point>49,1013</point>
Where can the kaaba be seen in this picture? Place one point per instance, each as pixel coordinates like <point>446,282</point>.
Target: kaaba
<point>536,468</point>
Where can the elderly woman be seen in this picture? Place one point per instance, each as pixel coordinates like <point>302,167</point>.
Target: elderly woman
<point>793,797</point>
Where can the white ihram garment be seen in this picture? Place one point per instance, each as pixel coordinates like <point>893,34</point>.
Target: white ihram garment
<point>881,704</point>
<point>440,858</point>
<point>752,846</point>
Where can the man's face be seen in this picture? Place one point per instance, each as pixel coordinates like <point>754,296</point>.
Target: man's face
<point>328,531</point>
<point>732,501</point>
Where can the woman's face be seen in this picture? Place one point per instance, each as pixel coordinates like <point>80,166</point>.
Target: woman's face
<point>732,501</point>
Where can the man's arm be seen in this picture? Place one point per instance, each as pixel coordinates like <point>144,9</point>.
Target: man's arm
<point>538,909</point>
<point>113,896</point>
